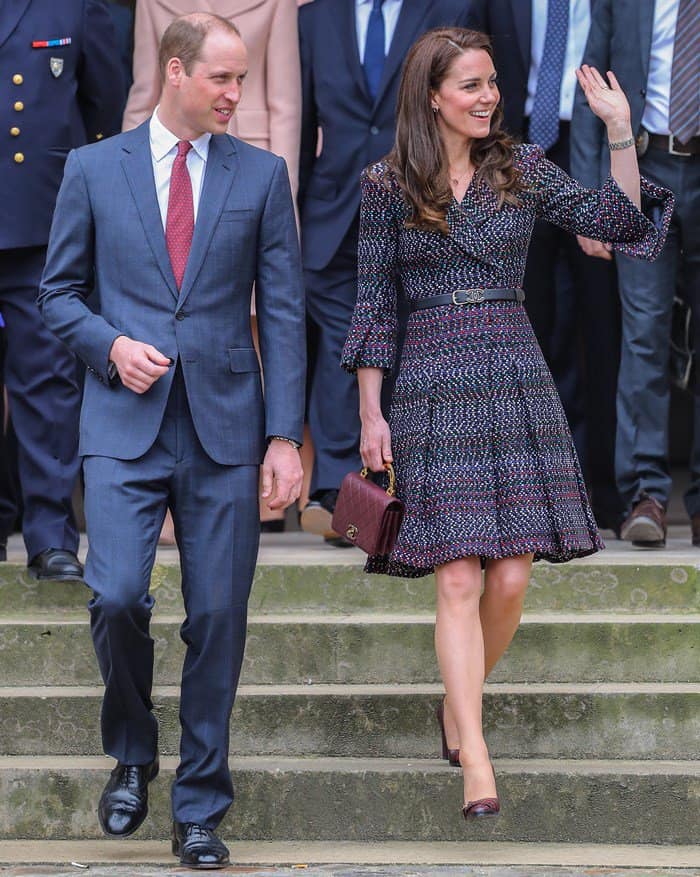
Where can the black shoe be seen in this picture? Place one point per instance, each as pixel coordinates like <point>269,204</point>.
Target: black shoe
<point>276,525</point>
<point>124,802</point>
<point>56,564</point>
<point>198,847</point>
<point>3,550</point>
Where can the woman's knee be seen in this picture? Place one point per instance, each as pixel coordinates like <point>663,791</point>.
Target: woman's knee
<point>459,581</point>
<point>508,581</point>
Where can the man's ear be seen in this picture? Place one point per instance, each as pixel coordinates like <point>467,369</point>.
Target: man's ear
<point>174,72</point>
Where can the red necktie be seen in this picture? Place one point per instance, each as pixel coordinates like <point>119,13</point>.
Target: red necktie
<point>179,223</point>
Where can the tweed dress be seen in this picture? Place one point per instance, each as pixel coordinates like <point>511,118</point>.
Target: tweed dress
<point>484,458</point>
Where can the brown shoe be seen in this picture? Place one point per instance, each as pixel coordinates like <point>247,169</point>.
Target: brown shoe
<point>646,525</point>
<point>695,529</point>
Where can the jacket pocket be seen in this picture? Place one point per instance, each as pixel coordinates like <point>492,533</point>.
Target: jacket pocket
<point>243,359</point>
<point>232,215</point>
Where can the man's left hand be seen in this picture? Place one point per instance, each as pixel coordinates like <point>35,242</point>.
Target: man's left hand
<point>281,475</point>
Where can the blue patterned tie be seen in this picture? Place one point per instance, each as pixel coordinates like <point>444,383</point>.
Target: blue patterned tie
<point>544,119</point>
<point>374,48</point>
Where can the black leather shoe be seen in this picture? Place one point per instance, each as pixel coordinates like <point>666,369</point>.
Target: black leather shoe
<point>3,550</point>
<point>124,802</point>
<point>56,564</point>
<point>198,847</point>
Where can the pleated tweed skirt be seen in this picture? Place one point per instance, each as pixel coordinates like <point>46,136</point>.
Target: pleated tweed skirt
<point>484,457</point>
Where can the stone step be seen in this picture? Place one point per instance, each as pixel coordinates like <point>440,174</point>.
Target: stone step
<point>376,649</point>
<point>294,588</point>
<point>358,800</point>
<point>641,721</point>
<point>404,859</point>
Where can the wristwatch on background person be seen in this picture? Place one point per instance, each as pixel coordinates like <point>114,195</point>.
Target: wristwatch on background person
<point>283,438</point>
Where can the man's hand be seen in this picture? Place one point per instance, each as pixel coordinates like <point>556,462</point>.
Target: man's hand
<point>281,475</point>
<point>139,365</point>
<point>595,248</point>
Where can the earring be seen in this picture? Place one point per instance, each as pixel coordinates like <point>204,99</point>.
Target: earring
<point>436,110</point>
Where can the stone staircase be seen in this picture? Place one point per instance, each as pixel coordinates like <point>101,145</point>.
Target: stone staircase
<point>593,717</point>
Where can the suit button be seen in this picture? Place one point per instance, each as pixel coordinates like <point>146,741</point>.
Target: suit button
<point>19,157</point>
<point>180,315</point>
<point>374,130</point>
<point>643,92</point>
<point>19,106</point>
<point>18,79</point>
<point>14,132</point>
<point>99,136</point>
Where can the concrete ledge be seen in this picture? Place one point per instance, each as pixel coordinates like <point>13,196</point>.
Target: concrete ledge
<point>288,854</point>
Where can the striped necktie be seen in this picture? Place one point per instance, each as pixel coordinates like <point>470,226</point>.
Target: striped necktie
<point>684,102</point>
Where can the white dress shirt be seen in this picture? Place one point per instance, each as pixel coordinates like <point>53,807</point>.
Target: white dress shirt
<point>391,10</point>
<point>163,151</point>
<point>579,25</point>
<point>655,117</point>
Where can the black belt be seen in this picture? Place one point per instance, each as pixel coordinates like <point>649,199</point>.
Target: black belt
<point>670,144</point>
<point>468,297</point>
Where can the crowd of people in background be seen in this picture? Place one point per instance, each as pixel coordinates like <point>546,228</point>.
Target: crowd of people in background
<point>322,94</point>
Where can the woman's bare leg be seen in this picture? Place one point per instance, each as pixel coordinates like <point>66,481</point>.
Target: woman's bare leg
<point>459,646</point>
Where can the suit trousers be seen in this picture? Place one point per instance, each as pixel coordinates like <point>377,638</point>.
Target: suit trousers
<point>647,290</point>
<point>333,406</point>
<point>571,300</point>
<point>215,510</point>
<point>44,397</point>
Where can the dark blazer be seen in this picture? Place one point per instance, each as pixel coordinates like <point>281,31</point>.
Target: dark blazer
<point>509,24</point>
<point>68,95</point>
<point>107,216</point>
<point>356,130</point>
<point>619,40</point>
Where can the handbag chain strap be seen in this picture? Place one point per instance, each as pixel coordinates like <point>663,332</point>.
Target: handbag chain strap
<point>391,489</point>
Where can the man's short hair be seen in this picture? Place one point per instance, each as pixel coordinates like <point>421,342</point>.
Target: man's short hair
<point>185,35</point>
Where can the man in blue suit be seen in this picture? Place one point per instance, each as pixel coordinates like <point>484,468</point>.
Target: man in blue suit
<point>571,297</point>
<point>179,220</point>
<point>351,57</point>
<point>61,86</point>
<point>654,50</point>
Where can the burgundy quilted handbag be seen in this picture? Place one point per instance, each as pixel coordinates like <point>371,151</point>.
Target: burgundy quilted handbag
<point>366,514</point>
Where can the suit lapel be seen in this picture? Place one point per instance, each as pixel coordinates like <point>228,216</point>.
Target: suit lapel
<point>347,34</point>
<point>646,28</point>
<point>10,17</point>
<point>138,167</point>
<point>522,21</point>
<point>222,166</point>
<point>412,15</point>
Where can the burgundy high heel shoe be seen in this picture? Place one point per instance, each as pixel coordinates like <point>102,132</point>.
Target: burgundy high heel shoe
<point>450,755</point>
<point>482,806</point>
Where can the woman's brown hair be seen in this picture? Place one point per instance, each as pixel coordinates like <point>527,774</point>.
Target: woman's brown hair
<point>418,158</point>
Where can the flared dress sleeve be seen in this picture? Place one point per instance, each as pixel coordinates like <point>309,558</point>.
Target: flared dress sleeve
<point>605,214</point>
<point>371,341</point>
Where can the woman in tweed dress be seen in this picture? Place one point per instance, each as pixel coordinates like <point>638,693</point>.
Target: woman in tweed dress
<point>484,458</point>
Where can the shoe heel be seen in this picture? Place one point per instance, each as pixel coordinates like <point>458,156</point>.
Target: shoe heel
<point>449,755</point>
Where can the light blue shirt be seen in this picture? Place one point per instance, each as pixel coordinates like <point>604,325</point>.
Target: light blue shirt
<point>391,10</point>
<point>163,152</point>
<point>579,25</point>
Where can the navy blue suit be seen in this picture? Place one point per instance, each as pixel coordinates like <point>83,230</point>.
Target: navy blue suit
<point>54,98</point>
<point>194,441</point>
<point>621,40</point>
<point>571,298</point>
<point>356,131</point>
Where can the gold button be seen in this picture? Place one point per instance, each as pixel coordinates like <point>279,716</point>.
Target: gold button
<point>19,157</point>
<point>99,136</point>
<point>19,106</point>
<point>18,79</point>
<point>14,132</point>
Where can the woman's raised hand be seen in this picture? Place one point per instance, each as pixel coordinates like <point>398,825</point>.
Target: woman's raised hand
<point>607,101</point>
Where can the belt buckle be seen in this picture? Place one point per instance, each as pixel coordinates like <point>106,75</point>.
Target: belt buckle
<point>472,296</point>
<point>671,147</point>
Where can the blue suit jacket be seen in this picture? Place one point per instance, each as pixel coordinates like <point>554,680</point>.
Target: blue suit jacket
<point>107,235</point>
<point>77,103</point>
<point>619,40</point>
<point>356,129</point>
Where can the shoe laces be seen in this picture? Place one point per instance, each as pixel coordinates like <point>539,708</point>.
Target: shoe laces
<point>196,833</point>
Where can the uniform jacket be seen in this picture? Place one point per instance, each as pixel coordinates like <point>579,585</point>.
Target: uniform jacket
<point>355,129</point>
<point>54,98</point>
<point>107,215</point>
<point>269,111</point>
<point>619,40</point>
